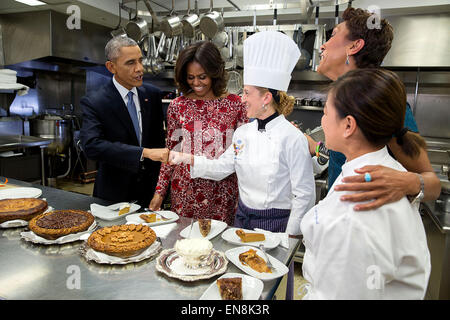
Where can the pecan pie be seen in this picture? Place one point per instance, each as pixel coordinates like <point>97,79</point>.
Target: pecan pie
<point>23,208</point>
<point>58,223</point>
<point>230,288</point>
<point>123,240</point>
<point>251,259</point>
<point>204,226</point>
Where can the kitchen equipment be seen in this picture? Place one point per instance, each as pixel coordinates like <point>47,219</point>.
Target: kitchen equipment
<point>211,23</point>
<point>190,22</point>
<point>172,25</point>
<point>53,127</point>
<point>137,28</point>
<point>119,31</point>
<point>305,58</point>
<point>220,39</point>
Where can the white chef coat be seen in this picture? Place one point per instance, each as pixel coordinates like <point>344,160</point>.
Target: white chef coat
<point>376,254</point>
<point>273,167</point>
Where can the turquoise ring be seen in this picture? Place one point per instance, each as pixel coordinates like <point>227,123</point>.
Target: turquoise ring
<point>367,177</point>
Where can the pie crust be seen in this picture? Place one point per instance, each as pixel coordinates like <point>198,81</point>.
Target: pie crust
<point>58,223</point>
<point>204,226</point>
<point>123,241</point>
<point>230,288</point>
<point>251,259</point>
<point>23,208</point>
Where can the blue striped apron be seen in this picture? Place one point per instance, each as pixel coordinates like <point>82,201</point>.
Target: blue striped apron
<point>274,220</point>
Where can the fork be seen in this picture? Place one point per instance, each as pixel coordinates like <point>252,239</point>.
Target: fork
<point>269,264</point>
<point>158,213</point>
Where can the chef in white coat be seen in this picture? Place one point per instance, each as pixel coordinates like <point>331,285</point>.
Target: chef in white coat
<point>269,155</point>
<point>376,254</point>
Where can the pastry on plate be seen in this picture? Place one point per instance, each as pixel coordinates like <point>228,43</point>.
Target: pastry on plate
<point>22,209</point>
<point>204,226</point>
<point>250,236</point>
<point>149,218</point>
<point>230,288</point>
<point>123,241</point>
<point>57,223</point>
<point>251,259</point>
<point>124,208</point>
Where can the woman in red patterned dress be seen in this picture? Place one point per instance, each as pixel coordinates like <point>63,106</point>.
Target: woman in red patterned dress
<point>201,122</point>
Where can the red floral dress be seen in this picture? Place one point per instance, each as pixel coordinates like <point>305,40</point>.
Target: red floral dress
<point>201,127</point>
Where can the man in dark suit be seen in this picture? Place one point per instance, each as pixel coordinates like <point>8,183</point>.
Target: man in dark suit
<point>123,128</point>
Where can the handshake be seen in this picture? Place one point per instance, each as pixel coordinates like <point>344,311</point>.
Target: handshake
<point>166,156</point>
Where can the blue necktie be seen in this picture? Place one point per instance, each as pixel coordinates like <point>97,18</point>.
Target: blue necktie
<point>133,114</point>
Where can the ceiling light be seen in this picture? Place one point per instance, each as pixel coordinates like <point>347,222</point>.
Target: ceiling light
<point>31,2</point>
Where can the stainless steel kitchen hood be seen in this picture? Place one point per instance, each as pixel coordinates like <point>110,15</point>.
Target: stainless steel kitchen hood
<point>41,34</point>
<point>420,41</point>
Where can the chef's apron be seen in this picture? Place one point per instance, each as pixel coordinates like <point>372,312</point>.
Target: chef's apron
<point>274,220</point>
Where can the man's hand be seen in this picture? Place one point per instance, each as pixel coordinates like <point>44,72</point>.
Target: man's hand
<point>180,158</point>
<point>387,185</point>
<point>156,202</point>
<point>157,154</point>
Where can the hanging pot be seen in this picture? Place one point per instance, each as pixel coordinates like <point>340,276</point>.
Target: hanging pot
<point>190,22</point>
<point>211,23</point>
<point>171,25</point>
<point>305,57</point>
<point>137,28</point>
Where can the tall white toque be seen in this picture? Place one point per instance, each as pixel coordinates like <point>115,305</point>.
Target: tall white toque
<point>269,58</point>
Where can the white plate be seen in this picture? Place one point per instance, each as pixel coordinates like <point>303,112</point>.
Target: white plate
<point>279,268</point>
<point>107,213</point>
<point>172,216</point>
<point>216,228</point>
<point>21,192</point>
<point>171,264</point>
<point>231,236</point>
<point>251,288</point>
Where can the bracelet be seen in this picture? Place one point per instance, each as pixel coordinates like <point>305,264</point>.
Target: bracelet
<point>317,148</point>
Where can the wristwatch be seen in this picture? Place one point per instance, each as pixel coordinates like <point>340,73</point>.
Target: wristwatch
<point>419,197</point>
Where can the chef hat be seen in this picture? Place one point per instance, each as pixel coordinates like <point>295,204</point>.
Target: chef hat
<point>269,58</point>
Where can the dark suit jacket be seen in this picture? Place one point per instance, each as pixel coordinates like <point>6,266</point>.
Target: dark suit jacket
<point>107,136</point>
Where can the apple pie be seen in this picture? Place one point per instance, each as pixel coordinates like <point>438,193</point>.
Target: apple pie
<point>22,209</point>
<point>251,259</point>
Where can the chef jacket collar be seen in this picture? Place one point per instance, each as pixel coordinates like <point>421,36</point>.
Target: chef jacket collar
<point>262,123</point>
<point>348,168</point>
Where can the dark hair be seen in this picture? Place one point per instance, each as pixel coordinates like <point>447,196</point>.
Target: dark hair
<point>208,56</point>
<point>377,38</point>
<point>376,98</point>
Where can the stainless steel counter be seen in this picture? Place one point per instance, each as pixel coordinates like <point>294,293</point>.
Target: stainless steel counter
<point>31,271</point>
<point>437,227</point>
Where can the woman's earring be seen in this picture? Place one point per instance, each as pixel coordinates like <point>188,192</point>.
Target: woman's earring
<point>264,106</point>
<point>347,62</point>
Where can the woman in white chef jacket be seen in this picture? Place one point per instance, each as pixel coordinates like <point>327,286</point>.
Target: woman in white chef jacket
<point>269,155</point>
<point>381,253</point>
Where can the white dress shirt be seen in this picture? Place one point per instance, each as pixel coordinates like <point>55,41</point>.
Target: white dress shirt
<point>124,94</point>
<point>273,168</point>
<point>376,254</point>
